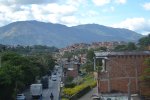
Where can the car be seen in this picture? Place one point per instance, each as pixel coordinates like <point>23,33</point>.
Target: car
<point>20,97</point>
<point>61,84</point>
<point>54,77</point>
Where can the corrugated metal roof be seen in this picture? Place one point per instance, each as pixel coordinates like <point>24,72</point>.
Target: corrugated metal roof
<point>105,54</point>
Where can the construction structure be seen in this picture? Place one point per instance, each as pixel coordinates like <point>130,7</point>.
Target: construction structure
<point>121,72</point>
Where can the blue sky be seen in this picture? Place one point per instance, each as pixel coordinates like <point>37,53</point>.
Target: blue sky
<point>130,14</point>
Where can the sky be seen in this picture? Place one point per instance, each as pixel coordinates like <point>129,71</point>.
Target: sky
<point>130,14</point>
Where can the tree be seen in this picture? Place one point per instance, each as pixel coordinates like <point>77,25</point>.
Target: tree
<point>88,67</point>
<point>18,71</point>
<point>146,75</point>
<point>131,46</point>
<point>90,55</point>
<point>120,48</point>
<point>144,41</point>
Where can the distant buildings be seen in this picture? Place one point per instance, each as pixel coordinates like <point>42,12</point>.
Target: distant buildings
<point>94,45</point>
<point>71,67</point>
<point>121,72</point>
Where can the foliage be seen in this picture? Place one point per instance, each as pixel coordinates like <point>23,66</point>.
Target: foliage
<point>77,52</point>
<point>145,41</point>
<point>88,81</point>
<point>88,67</point>
<point>146,75</point>
<point>129,47</point>
<point>90,55</point>
<point>70,85</point>
<point>101,49</point>
<point>71,91</point>
<point>69,79</point>
<point>29,49</point>
<point>120,48</point>
<point>18,71</point>
<point>93,84</point>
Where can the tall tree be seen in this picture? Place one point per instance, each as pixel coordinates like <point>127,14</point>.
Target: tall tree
<point>90,55</point>
<point>144,42</point>
<point>146,75</point>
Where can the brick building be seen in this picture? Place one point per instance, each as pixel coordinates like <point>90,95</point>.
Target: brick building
<point>121,72</point>
<point>71,69</point>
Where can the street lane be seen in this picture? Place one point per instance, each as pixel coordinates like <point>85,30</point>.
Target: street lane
<point>54,87</point>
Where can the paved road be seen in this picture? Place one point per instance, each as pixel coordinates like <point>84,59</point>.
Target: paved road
<point>54,87</point>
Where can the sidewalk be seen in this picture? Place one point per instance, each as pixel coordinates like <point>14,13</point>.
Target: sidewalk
<point>94,91</point>
<point>89,94</point>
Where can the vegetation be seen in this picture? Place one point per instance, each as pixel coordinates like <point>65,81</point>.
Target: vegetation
<point>146,75</point>
<point>29,49</point>
<point>77,52</point>
<point>129,47</point>
<point>88,81</point>
<point>144,42</point>
<point>19,71</point>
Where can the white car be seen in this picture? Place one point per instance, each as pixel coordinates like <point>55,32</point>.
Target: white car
<point>54,77</point>
<point>61,84</point>
<point>21,97</point>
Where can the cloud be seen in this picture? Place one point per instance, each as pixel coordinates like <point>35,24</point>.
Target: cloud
<point>135,24</point>
<point>51,12</point>
<point>70,20</point>
<point>104,2</point>
<point>76,2</point>
<point>147,6</point>
<point>120,1</point>
<point>101,2</point>
<point>60,9</point>
<point>109,9</point>
<point>25,2</point>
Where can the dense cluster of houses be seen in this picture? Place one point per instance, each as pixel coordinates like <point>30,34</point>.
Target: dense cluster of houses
<point>94,45</point>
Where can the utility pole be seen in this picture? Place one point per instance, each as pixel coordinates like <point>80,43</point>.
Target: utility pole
<point>129,89</point>
<point>0,61</point>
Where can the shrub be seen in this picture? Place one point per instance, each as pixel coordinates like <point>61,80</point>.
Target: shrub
<point>92,85</point>
<point>70,85</point>
<point>72,91</point>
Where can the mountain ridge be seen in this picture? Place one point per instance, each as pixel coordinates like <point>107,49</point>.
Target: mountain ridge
<point>42,33</point>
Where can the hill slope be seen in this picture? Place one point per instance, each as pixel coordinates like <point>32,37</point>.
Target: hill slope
<point>34,32</point>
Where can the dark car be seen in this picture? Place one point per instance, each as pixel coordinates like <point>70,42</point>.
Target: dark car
<point>20,97</point>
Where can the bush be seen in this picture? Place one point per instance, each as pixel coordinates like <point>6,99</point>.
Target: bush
<point>72,91</point>
<point>92,85</point>
<point>70,85</point>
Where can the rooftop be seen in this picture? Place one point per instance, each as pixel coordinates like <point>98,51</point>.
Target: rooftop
<point>106,54</point>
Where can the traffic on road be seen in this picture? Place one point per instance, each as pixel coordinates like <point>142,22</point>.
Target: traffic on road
<point>40,91</point>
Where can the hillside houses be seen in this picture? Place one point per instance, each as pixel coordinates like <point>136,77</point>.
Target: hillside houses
<point>94,45</point>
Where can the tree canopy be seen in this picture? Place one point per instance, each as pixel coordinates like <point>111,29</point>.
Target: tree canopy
<point>19,71</point>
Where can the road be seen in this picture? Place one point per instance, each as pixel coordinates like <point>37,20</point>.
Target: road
<point>54,87</point>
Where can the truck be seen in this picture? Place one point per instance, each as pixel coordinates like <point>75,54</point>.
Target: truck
<point>36,91</point>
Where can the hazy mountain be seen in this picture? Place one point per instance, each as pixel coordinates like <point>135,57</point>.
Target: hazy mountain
<point>34,32</point>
